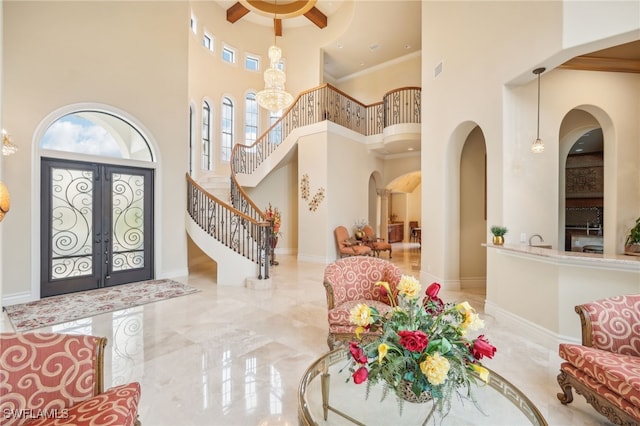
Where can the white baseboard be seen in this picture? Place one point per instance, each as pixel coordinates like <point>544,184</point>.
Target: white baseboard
<point>534,332</point>
<point>16,298</point>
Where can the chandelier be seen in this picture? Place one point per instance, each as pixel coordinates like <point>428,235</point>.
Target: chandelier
<point>8,147</point>
<point>274,97</point>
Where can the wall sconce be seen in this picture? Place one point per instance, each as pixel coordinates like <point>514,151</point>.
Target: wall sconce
<point>8,147</point>
<point>538,146</point>
<point>5,200</point>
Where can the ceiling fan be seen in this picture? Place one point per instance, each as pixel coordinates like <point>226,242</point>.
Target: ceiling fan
<point>283,10</point>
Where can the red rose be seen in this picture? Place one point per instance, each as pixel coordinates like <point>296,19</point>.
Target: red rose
<point>432,290</point>
<point>482,347</point>
<point>360,375</point>
<point>357,353</point>
<point>414,341</point>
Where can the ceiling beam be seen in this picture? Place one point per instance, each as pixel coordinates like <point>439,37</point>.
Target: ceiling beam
<point>317,17</point>
<point>591,63</point>
<point>235,12</point>
<point>277,27</point>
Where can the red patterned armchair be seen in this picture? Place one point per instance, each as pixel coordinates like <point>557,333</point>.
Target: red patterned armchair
<point>605,369</point>
<point>56,379</point>
<point>350,281</point>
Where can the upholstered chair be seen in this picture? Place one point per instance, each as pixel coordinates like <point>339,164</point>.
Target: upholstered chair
<point>57,379</point>
<point>376,244</point>
<point>347,246</point>
<point>605,368</point>
<point>351,281</point>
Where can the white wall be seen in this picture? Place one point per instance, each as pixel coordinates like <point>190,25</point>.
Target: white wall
<point>58,54</point>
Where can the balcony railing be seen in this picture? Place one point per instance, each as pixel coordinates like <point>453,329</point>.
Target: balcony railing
<point>243,226</point>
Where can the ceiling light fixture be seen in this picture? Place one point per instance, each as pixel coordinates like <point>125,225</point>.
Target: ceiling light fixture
<point>538,145</point>
<point>274,97</point>
<point>8,147</point>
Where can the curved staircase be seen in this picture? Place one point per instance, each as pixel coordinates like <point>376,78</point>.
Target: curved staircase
<point>227,225</point>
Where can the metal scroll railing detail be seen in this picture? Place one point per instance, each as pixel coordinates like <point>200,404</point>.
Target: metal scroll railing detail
<point>232,228</point>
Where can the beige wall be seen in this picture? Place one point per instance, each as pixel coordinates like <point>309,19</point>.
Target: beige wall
<point>60,54</point>
<point>370,86</point>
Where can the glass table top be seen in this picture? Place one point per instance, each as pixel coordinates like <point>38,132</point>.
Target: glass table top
<point>498,402</point>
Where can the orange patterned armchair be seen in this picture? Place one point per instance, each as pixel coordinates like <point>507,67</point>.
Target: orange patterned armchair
<point>605,369</point>
<point>348,247</point>
<point>350,281</point>
<point>56,379</point>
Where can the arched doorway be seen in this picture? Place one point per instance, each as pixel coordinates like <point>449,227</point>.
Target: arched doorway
<point>582,183</point>
<point>97,203</point>
<point>473,211</point>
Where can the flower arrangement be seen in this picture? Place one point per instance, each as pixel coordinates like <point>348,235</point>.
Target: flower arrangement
<point>273,215</point>
<point>422,344</point>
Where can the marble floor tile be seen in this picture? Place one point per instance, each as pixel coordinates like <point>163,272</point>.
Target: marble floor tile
<point>235,356</point>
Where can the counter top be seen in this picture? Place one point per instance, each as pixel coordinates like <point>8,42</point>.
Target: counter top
<point>618,261</point>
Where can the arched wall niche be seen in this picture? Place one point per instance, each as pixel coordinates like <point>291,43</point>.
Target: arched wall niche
<point>582,221</point>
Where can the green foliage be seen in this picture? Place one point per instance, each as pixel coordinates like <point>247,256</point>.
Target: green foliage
<point>634,234</point>
<point>498,231</point>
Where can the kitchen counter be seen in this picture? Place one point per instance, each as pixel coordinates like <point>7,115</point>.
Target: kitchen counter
<point>617,261</point>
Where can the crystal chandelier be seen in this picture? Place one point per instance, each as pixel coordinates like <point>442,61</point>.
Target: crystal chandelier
<point>8,147</point>
<point>274,97</point>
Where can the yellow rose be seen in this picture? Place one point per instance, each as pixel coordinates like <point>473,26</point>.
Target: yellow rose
<point>409,287</point>
<point>361,315</point>
<point>436,368</point>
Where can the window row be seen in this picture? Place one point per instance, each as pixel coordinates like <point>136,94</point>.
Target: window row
<point>227,134</point>
<point>228,54</point>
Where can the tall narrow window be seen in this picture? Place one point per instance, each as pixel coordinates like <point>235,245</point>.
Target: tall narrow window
<point>206,136</point>
<point>226,142</point>
<point>191,125</point>
<point>275,135</point>
<point>251,118</point>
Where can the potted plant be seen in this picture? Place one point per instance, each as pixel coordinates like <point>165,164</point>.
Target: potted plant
<point>498,234</point>
<point>632,244</point>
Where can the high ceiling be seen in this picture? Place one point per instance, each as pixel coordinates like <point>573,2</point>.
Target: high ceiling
<point>373,38</point>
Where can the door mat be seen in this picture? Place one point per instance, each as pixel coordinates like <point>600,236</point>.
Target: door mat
<point>70,307</point>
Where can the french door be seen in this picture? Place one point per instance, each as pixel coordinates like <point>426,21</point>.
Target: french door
<point>97,226</point>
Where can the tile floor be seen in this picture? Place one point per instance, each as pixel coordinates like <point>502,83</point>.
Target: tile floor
<point>235,356</point>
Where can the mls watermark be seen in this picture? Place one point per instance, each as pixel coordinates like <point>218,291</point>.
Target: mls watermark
<point>23,414</point>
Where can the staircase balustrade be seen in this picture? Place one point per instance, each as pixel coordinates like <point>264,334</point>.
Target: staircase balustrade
<point>241,233</point>
<point>243,226</point>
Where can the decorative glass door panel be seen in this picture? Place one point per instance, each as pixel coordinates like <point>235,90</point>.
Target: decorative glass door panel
<point>127,200</point>
<point>71,217</point>
<point>97,226</point>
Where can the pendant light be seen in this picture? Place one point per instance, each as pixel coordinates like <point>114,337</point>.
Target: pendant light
<point>538,145</point>
<point>274,97</point>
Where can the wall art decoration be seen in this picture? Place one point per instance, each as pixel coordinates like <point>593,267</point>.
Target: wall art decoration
<point>305,193</point>
<point>304,187</point>
<point>316,200</point>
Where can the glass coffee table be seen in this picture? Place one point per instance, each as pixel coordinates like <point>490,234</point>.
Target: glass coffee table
<point>326,398</point>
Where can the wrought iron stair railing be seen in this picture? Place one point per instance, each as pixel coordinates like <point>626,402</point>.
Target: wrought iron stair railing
<point>243,226</point>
